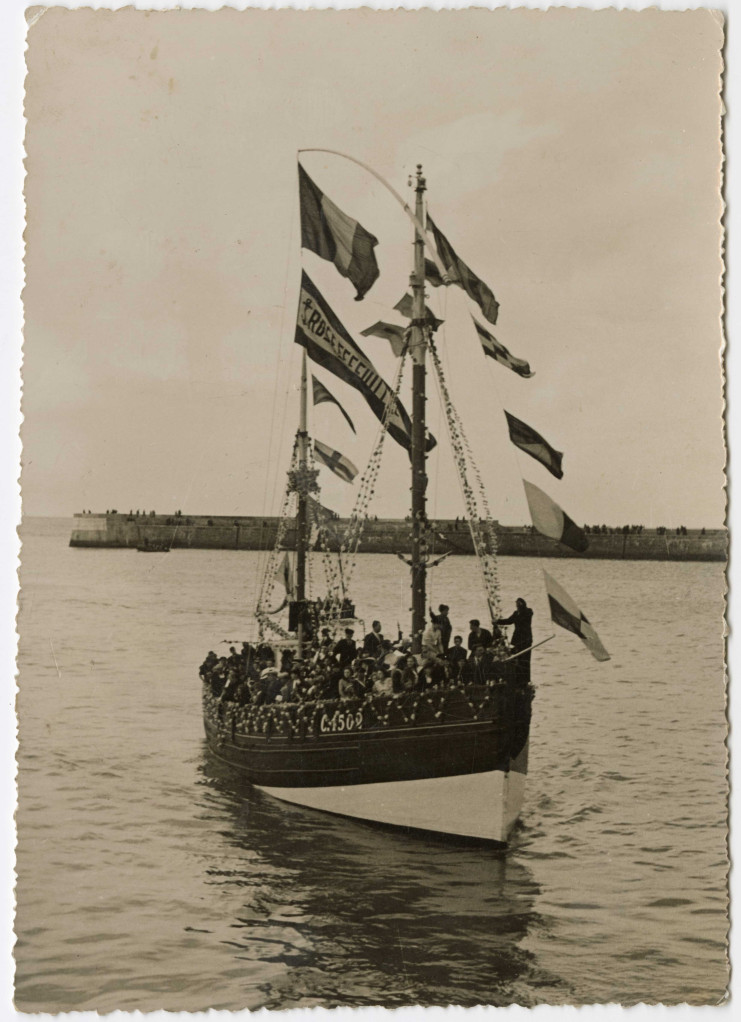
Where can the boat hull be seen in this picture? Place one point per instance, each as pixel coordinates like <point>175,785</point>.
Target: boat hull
<point>450,763</point>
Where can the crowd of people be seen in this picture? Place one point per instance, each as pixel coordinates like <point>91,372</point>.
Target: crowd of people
<point>345,669</point>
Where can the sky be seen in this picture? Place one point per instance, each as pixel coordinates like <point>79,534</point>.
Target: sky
<point>572,159</point>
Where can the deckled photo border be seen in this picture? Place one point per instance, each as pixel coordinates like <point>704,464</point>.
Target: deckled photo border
<point>12,27</point>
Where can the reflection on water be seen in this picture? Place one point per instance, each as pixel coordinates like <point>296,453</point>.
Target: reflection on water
<point>369,916</point>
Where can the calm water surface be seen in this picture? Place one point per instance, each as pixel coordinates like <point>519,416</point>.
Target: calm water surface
<point>148,878</point>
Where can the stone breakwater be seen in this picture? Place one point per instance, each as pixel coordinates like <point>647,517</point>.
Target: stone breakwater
<point>384,536</point>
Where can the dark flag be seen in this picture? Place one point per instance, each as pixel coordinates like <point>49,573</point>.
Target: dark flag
<point>405,306</point>
<point>532,443</point>
<point>321,394</point>
<point>463,276</point>
<point>499,353</point>
<point>395,335</point>
<point>552,521</point>
<point>329,344</point>
<point>338,463</point>
<point>333,235</point>
<point>432,273</point>
<point>565,613</point>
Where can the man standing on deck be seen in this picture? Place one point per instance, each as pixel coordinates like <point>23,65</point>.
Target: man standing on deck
<point>373,642</point>
<point>522,637</point>
<point>478,636</point>
<point>446,628</point>
<point>345,651</point>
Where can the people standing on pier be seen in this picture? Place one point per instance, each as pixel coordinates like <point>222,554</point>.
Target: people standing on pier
<point>522,636</point>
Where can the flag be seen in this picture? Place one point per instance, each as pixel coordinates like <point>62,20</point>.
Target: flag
<point>321,394</point>
<point>285,574</point>
<point>329,344</point>
<point>532,443</point>
<point>566,614</point>
<point>333,235</point>
<point>405,306</point>
<point>550,520</point>
<point>463,276</point>
<point>395,335</point>
<point>432,273</point>
<point>499,353</point>
<point>340,465</point>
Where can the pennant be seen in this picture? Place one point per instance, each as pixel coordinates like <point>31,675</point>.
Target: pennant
<point>329,344</point>
<point>395,335</point>
<point>321,394</point>
<point>463,276</point>
<point>550,520</point>
<point>566,614</point>
<point>405,306</point>
<point>285,574</point>
<point>499,353</point>
<point>338,463</point>
<point>532,443</point>
<point>333,235</point>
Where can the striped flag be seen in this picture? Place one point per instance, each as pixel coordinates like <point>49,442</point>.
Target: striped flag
<point>338,463</point>
<point>566,614</point>
<point>550,520</point>
<point>333,235</point>
<point>464,276</point>
<point>395,335</point>
<point>321,394</point>
<point>499,353</point>
<point>532,443</point>
<point>405,306</point>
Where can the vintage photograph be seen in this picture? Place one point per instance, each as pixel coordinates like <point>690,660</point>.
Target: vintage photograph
<point>372,586</point>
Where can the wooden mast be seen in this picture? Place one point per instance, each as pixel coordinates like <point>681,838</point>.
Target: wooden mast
<point>302,530</point>
<point>418,348</point>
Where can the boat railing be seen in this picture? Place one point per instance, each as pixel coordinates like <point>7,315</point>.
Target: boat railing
<point>453,704</point>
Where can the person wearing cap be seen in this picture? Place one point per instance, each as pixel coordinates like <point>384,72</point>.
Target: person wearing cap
<point>346,650</point>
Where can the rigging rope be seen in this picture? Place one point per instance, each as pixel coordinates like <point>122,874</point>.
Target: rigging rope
<point>480,522</point>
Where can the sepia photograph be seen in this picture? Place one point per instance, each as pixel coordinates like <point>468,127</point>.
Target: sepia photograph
<point>372,608</point>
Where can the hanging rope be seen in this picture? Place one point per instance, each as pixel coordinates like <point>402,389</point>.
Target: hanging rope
<point>366,489</point>
<point>480,522</point>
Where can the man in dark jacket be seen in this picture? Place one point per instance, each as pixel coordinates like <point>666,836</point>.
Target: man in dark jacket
<point>478,636</point>
<point>522,636</point>
<point>345,650</point>
<point>373,642</point>
<point>446,628</point>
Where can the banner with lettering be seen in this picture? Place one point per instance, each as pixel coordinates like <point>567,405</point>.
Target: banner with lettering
<point>329,344</point>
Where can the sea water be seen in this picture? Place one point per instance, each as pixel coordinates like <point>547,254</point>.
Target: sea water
<point>148,877</point>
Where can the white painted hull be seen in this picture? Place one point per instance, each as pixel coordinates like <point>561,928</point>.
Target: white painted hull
<point>484,805</point>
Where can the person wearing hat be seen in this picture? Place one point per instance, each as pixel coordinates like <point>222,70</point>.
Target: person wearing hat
<point>346,650</point>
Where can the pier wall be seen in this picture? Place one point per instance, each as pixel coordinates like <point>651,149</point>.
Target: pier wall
<point>386,535</point>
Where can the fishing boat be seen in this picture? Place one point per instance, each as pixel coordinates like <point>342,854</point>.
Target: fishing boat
<point>447,755</point>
